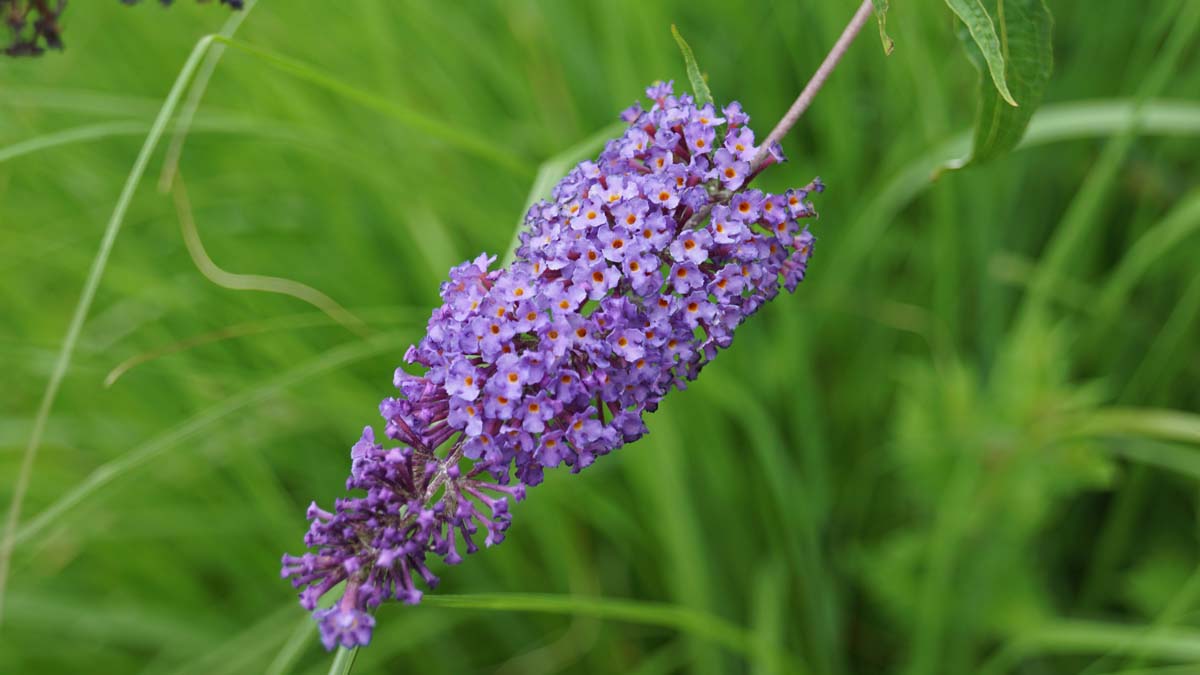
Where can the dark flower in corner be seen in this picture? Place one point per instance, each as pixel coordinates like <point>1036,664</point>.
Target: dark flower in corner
<point>34,27</point>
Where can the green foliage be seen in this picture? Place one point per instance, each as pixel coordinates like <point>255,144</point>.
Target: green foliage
<point>343,661</point>
<point>984,460</point>
<point>695,76</point>
<point>881,9</point>
<point>987,33</point>
<point>899,467</point>
<point>1024,55</point>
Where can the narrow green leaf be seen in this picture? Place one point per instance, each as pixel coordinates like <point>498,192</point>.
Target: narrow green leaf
<point>1174,426</point>
<point>343,662</point>
<point>1074,636</point>
<point>290,651</point>
<point>684,619</point>
<point>699,86</point>
<point>881,8</point>
<point>466,141</point>
<point>552,170</point>
<point>84,305</point>
<point>1157,242</point>
<point>1171,456</point>
<point>992,47</point>
<point>119,467</point>
<point>103,130</point>
<point>1055,123</point>
<point>1027,58</point>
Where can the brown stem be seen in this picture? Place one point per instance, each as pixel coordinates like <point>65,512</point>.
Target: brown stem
<point>814,85</point>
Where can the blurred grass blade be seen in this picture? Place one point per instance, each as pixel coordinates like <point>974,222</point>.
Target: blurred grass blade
<point>343,661</point>
<point>99,263</point>
<point>1172,345</point>
<point>79,101</point>
<point>663,486</point>
<point>119,467</point>
<point>552,170</point>
<point>1175,457</point>
<point>290,651</point>
<point>89,620</point>
<point>770,613</point>
<point>199,86</point>
<point>254,282</point>
<point>1069,247</point>
<point>881,10</point>
<point>390,315</point>
<point>1163,425</point>
<point>245,650</point>
<point>1088,119</point>
<point>1051,124</point>
<point>699,86</point>
<point>465,141</point>
<point>1028,59</point>
<point>701,624</point>
<point>1182,222</point>
<point>1092,637</point>
<point>87,132</point>
<point>985,47</point>
<point>801,516</point>
<point>102,130</point>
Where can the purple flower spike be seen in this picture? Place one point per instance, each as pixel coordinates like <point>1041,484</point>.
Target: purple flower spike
<point>624,287</point>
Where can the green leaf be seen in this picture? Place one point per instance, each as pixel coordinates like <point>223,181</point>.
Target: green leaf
<point>699,86</point>
<point>1025,56</point>
<point>881,8</point>
<point>343,662</point>
<point>1174,426</point>
<point>463,140</point>
<point>685,619</point>
<point>1172,456</point>
<point>552,170</point>
<point>991,47</point>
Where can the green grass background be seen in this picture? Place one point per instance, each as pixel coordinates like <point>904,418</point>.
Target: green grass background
<point>911,465</point>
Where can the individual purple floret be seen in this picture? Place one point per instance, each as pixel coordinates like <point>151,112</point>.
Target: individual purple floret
<point>624,287</point>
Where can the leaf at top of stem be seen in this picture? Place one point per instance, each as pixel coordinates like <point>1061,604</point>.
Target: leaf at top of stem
<point>881,8</point>
<point>699,86</point>
<point>1026,27</point>
<point>993,47</point>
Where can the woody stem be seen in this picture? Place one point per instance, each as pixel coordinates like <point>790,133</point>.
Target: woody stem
<point>806,96</point>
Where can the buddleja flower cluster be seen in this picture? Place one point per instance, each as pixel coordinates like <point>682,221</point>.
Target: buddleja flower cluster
<point>623,288</point>
<point>33,24</point>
